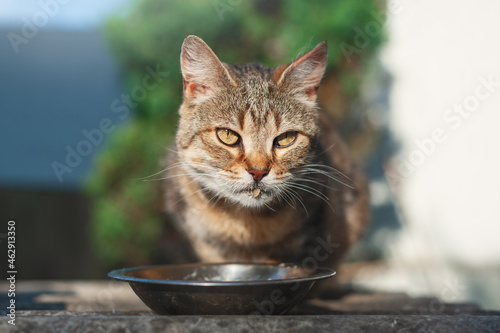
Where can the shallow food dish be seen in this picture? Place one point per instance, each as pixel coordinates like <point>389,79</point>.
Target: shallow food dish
<point>234,288</point>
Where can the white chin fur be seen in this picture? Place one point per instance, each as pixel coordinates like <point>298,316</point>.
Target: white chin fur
<point>249,200</point>
<point>234,194</point>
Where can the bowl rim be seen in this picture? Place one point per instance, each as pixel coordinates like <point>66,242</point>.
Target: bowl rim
<point>319,273</point>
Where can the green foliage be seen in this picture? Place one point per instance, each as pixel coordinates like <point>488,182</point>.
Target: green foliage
<point>126,224</point>
<point>125,219</point>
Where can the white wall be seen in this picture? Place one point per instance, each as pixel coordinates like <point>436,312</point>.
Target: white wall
<point>440,53</point>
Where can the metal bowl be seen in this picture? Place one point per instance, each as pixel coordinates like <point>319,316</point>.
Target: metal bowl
<point>229,288</point>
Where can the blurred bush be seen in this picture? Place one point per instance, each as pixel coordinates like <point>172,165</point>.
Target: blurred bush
<point>127,225</point>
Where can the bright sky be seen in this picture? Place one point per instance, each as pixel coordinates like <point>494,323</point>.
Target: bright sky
<point>68,14</point>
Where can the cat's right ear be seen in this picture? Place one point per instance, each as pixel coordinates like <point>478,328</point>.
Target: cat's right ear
<point>202,71</point>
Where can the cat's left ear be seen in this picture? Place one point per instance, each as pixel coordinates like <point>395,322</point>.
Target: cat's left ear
<point>304,74</point>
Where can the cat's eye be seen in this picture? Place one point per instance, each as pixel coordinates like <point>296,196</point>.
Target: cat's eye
<point>228,137</point>
<point>285,139</point>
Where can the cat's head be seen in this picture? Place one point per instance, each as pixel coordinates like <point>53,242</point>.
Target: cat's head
<point>245,131</point>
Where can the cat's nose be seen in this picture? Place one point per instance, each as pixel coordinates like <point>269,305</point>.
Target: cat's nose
<point>258,174</point>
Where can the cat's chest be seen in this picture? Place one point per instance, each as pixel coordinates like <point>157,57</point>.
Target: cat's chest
<point>216,224</point>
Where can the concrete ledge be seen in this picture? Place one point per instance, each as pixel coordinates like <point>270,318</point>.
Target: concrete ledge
<point>291,323</point>
<point>110,306</point>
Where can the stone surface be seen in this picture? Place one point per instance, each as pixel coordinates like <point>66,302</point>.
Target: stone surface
<point>112,307</point>
<point>126,322</point>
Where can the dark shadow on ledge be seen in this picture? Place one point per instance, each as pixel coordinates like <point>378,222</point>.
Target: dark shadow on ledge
<point>28,301</point>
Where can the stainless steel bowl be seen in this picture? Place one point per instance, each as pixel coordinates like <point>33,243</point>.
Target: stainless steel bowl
<point>229,288</point>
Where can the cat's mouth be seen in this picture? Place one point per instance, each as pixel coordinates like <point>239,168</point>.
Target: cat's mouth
<point>255,192</point>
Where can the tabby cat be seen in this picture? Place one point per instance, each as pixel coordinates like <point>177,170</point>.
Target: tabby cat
<point>257,172</point>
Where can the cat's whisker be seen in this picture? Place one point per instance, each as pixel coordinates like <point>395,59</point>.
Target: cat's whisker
<point>324,173</point>
<point>229,203</point>
<point>171,150</point>
<point>324,151</point>
<point>308,189</point>
<point>153,175</point>
<point>269,207</point>
<point>217,199</point>
<point>179,175</point>
<point>186,196</point>
<point>295,195</point>
<point>216,195</point>
<point>287,197</point>
<point>170,167</point>
<point>328,167</point>
<point>331,173</point>
<point>314,181</point>
<point>192,181</point>
<point>312,191</point>
<point>194,192</point>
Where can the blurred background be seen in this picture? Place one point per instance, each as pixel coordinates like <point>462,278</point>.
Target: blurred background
<point>89,93</point>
